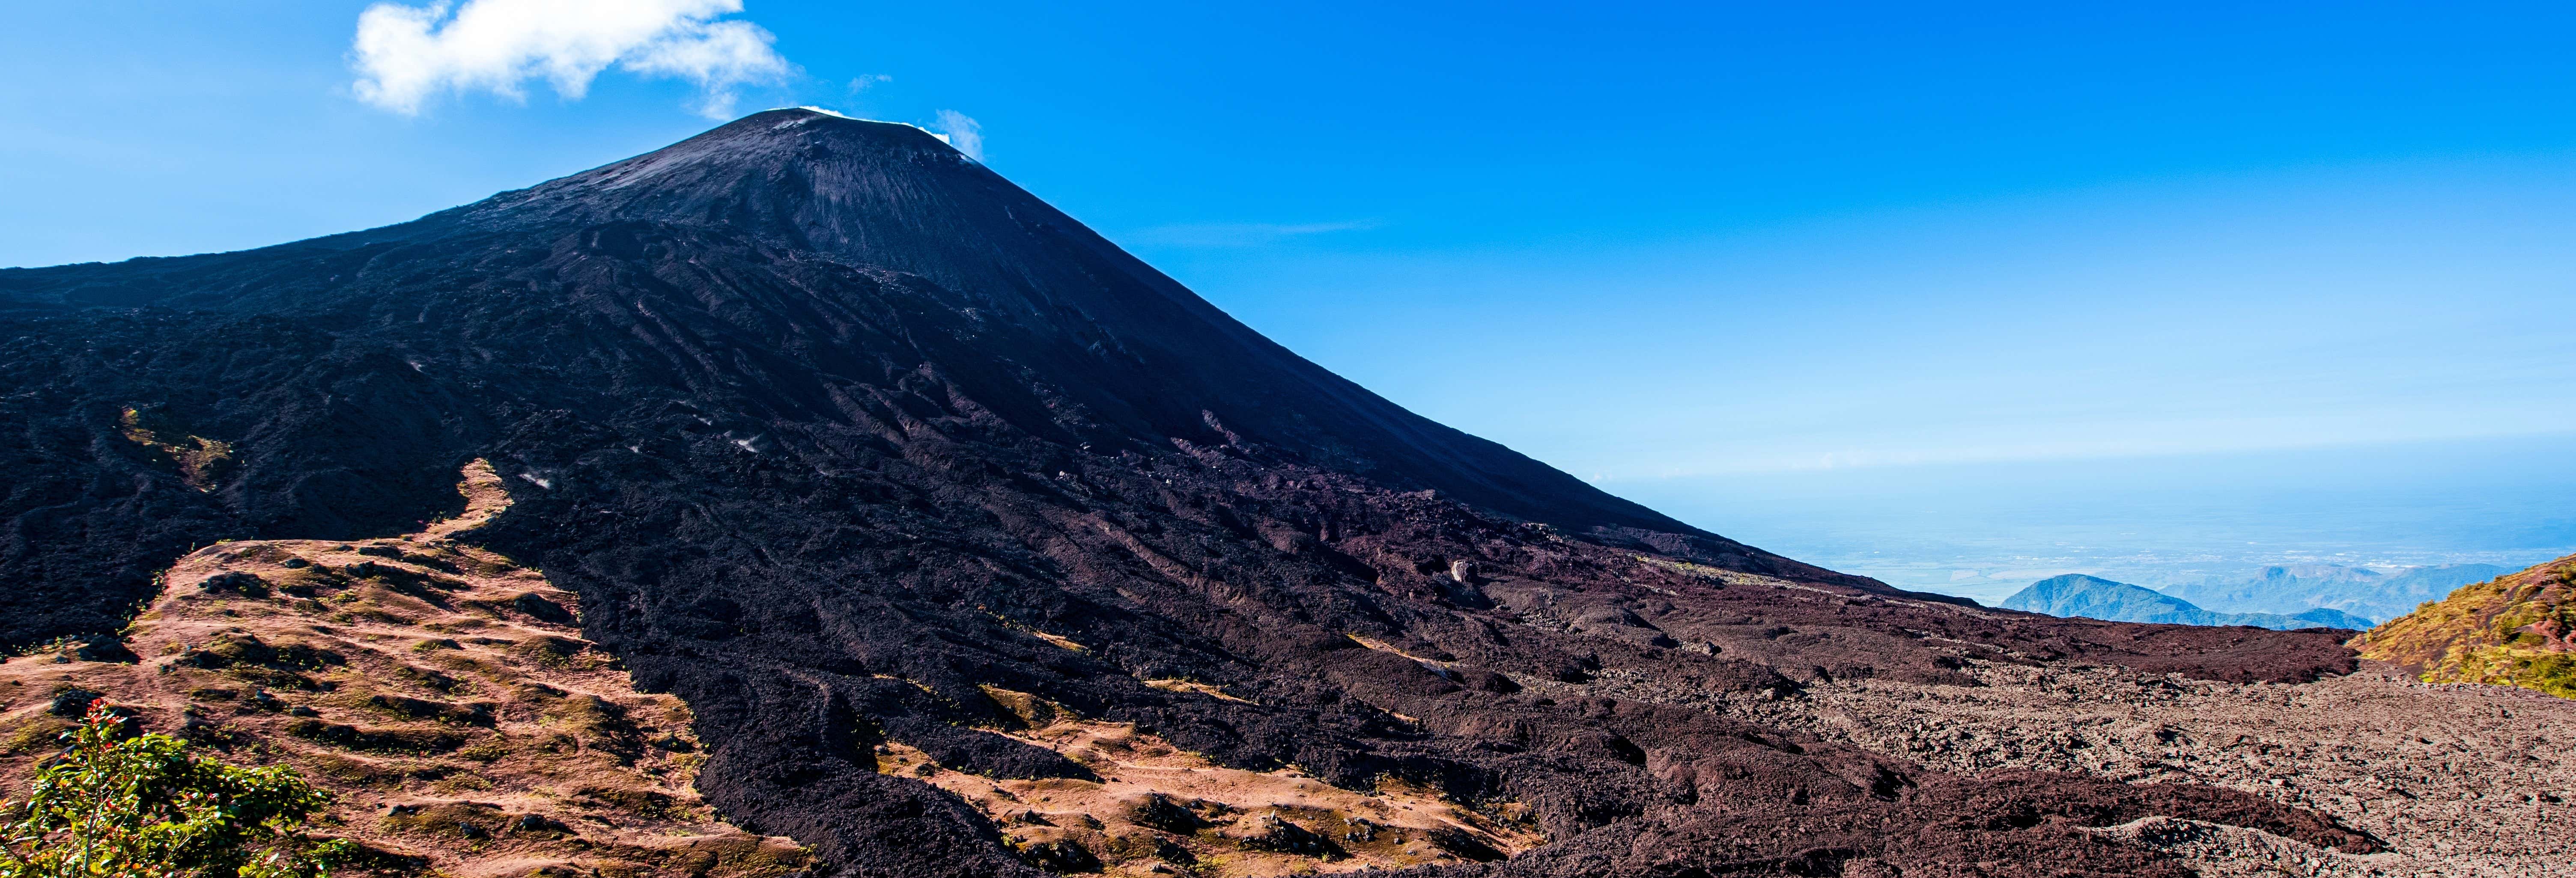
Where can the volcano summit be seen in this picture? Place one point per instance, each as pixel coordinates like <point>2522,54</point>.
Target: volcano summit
<point>976,546</point>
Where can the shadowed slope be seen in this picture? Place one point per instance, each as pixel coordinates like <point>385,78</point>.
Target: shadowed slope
<point>890,200</point>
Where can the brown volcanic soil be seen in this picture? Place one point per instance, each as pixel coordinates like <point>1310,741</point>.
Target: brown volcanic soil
<point>432,687</point>
<point>848,444</point>
<point>1158,806</point>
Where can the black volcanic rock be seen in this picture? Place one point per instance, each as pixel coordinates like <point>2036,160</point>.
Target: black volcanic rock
<point>825,424</point>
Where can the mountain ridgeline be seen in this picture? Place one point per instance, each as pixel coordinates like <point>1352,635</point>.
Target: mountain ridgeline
<point>2359,591</point>
<point>2093,597</point>
<point>912,488</point>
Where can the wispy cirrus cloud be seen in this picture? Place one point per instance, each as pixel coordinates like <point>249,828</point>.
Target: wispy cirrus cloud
<point>1242,234</point>
<point>961,131</point>
<point>407,55</point>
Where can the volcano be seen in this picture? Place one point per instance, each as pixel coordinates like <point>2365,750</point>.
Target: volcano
<point>976,546</point>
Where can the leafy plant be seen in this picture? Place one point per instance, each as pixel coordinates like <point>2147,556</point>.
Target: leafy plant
<point>141,806</point>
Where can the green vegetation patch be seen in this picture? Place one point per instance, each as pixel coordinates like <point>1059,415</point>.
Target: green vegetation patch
<point>202,462</point>
<point>2514,630</point>
<point>116,805</point>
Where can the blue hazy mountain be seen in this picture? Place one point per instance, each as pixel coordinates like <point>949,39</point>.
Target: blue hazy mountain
<point>2332,618</point>
<point>2093,597</point>
<point>2360,591</point>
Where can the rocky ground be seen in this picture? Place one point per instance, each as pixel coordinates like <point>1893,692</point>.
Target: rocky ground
<point>1155,809</point>
<point>2455,779</point>
<point>443,692</point>
<point>439,691</point>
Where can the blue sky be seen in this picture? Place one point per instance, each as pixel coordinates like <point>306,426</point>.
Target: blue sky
<point>1644,242</point>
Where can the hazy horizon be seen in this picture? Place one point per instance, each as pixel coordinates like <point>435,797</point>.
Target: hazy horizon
<point>1985,531</point>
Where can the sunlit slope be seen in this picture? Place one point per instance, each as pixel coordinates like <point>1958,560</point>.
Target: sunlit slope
<point>2511,630</point>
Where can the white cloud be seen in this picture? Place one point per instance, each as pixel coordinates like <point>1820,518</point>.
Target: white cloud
<point>406,55</point>
<point>961,131</point>
<point>867,82</point>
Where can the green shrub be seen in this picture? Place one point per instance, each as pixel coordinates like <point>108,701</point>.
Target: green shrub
<point>117,805</point>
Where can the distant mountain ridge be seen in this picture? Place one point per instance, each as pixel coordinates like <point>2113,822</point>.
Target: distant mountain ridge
<point>2093,597</point>
<point>2360,591</point>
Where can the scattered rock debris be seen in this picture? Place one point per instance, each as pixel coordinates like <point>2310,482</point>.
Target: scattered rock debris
<point>1158,805</point>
